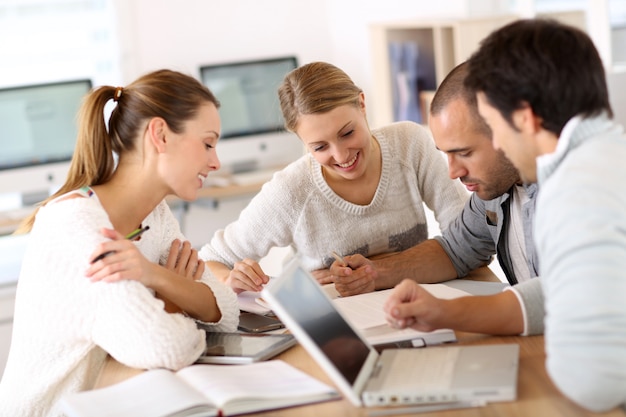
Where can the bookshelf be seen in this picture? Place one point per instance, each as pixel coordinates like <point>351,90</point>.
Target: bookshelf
<point>439,45</point>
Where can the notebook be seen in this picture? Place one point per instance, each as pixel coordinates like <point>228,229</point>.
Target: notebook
<point>365,312</point>
<point>444,374</point>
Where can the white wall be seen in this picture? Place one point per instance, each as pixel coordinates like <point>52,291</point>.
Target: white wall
<point>184,35</point>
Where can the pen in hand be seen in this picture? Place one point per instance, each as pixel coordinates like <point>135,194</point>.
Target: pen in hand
<point>131,236</point>
<point>339,258</point>
<point>136,233</point>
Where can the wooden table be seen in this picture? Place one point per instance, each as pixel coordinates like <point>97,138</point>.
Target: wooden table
<point>536,395</point>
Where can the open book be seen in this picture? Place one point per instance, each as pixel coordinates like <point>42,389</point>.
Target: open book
<point>201,390</point>
<point>365,312</point>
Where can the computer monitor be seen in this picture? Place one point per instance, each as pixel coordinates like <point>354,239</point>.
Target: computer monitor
<point>253,135</point>
<point>38,127</point>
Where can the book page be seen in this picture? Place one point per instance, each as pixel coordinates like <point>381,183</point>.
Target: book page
<point>366,310</point>
<point>152,393</point>
<point>257,386</point>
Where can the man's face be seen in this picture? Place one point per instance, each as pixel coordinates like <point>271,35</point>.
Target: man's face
<point>517,146</point>
<point>471,155</point>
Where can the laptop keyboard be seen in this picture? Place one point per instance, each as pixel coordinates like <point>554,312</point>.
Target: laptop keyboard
<point>432,368</point>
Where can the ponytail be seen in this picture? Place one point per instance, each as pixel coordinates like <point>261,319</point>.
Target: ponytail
<point>92,162</point>
<point>171,95</point>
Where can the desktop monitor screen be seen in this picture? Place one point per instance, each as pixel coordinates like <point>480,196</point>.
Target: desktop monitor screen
<point>38,122</point>
<point>248,94</point>
<point>38,127</point>
<point>253,135</point>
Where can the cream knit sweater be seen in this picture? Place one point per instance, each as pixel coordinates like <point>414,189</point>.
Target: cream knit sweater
<point>65,325</point>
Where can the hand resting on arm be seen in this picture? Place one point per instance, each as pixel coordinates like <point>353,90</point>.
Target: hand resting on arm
<point>176,282</point>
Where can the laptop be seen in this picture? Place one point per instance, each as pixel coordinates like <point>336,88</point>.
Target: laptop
<point>411,376</point>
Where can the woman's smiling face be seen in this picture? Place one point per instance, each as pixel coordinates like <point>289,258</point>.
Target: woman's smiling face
<point>340,140</point>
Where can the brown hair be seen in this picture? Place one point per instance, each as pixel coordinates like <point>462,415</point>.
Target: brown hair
<point>171,95</point>
<point>453,88</point>
<point>317,87</point>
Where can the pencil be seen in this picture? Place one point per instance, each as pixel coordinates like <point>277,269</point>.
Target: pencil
<point>136,233</point>
<point>131,236</point>
<point>339,258</point>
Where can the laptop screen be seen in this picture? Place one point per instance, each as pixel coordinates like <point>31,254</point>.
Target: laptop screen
<point>305,301</point>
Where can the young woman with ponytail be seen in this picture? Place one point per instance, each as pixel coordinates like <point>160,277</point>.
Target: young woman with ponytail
<point>85,290</point>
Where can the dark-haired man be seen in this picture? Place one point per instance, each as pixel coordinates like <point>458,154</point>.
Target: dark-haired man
<point>541,88</point>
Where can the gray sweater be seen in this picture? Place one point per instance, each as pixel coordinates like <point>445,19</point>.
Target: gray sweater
<point>480,232</point>
<point>297,208</point>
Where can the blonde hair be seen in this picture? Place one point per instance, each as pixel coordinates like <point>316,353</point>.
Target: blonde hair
<point>317,87</point>
<point>171,95</point>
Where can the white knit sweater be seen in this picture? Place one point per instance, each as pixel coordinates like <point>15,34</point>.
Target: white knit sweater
<point>65,325</point>
<point>298,208</point>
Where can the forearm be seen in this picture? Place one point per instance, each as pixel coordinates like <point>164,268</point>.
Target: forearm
<point>498,314</point>
<point>193,297</point>
<point>219,270</point>
<point>424,263</point>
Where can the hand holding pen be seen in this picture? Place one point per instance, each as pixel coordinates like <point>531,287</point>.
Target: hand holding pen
<point>328,275</point>
<point>135,234</point>
<point>339,258</point>
<point>118,258</point>
<point>354,274</point>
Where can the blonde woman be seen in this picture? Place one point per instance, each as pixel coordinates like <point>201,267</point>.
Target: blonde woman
<point>355,191</point>
<point>86,291</point>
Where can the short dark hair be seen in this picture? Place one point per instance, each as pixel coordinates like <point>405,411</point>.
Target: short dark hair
<point>452,88</point>
<point>553,67</point>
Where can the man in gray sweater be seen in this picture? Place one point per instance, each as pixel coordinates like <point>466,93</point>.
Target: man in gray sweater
<point>497,219</point>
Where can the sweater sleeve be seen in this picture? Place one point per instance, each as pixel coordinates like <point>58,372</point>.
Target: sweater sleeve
<point>133,327</point>
<point>123,318</point>
<point>252,235</point>
<point>468,241</point>
<point>225,297</point>
<point>530,296</point>
<point>583,261</point>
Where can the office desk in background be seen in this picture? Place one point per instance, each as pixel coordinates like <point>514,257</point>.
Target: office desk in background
<point>223,187</point>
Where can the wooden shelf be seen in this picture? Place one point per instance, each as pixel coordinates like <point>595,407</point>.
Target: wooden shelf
<point>441,45</point>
